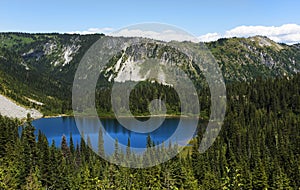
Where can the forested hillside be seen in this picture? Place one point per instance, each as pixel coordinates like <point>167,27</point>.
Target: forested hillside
<point>42,66</point>
<point>258,148</point>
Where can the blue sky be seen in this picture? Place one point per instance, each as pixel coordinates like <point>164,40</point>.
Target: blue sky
<point>197,17</point>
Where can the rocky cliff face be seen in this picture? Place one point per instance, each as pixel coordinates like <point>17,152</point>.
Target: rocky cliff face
<point>134,62</point>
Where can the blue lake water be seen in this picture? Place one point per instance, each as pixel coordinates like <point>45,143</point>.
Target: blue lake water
<point>55,128</point>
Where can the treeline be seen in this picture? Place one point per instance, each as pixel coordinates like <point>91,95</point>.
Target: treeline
<point>142,95</point>
<point>258,148</point>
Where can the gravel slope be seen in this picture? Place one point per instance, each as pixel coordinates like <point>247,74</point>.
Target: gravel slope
<point>11,109</point>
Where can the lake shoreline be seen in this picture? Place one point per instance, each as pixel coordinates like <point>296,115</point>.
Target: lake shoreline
<point>113,117</point>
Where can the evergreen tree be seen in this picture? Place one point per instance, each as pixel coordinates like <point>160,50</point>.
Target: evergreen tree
<point>32,181</point>
<point>65,148</point>
<point>72,147</point>
<point>100,143</point>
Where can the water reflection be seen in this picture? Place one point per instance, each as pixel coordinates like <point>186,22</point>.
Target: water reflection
<point>55,128</point>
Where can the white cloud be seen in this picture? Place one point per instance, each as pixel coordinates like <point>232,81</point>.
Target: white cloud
<point>147,30</point>
<point>105,30</point>
<point>287,33</point>
<point>165,35</point>
<point>209,37</point>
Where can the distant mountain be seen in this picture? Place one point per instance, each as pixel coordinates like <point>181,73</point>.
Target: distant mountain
<point>244,59</point>
<point>42,66</point>
<point>241,59</point>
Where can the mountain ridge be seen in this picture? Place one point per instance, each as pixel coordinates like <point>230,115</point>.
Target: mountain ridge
<point>42,66</point>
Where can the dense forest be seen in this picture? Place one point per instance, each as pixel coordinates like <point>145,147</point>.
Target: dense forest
<point>258,148</point>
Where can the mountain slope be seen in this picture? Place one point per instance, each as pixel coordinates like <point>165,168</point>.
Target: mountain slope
<point>243,59</point>
<point>42,66</point>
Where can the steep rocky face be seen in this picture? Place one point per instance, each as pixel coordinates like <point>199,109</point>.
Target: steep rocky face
<point>63,53</point>
<point>53,53</point>
<point>135,62</point>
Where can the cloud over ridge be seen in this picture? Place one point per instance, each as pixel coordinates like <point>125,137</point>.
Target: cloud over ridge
<point>93,31</point>
<point>287,33</point>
